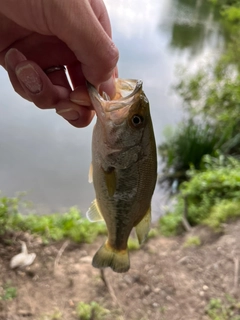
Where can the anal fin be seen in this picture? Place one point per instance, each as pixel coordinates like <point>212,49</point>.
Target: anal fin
<point>143,227</point>
<point>94,213</point>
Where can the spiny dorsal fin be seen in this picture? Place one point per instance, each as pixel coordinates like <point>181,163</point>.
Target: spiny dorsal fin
<point>143,227</point>
<point>111,181</point>
<point>94,213</point>
<point>90,174</point>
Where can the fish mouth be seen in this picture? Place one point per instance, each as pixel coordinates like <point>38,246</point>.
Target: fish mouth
<point>127,92</point>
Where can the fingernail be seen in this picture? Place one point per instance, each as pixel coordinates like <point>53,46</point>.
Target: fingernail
<point>13,57</point>
<point>30,79</point>
<point>84,103</point>
<point>80,96</point>
<point>109,87</point>
<point>69,114</point>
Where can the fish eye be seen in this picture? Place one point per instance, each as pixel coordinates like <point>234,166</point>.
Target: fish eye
<point>137,120</point>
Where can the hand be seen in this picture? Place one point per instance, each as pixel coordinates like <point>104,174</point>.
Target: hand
<point>38,34</point>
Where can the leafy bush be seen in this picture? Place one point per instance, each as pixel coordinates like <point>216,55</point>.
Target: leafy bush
<point>208,188</point>
<point>8,207</point>
<point>212,196</point>
<point>50,227</point>
<point>221,212</point>
<point>57,226</point>
<point>170,224</point>
<point>186,147</point>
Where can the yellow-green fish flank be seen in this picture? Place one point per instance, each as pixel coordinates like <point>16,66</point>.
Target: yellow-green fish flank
<point>123,170</point>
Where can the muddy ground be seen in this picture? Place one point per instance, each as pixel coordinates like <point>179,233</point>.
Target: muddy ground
<point>166,281</point>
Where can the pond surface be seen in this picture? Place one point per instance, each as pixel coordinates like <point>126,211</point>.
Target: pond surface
<point>42,154</point>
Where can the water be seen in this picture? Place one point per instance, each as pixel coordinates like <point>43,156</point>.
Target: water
<point>42,154</point>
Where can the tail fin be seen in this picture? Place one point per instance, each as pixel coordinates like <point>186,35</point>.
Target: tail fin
<point>106,256</point>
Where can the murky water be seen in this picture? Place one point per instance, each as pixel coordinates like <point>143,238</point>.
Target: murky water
<point>42,154</point>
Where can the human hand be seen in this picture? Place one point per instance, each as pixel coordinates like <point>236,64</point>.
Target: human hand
<point>38,34</point>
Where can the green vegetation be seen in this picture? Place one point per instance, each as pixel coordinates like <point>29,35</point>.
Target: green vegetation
<point>170,224</point>
<point>91,311</point>
<point>212,196</point>
<point>54,227</point>
<point>50,227</point>
<point>8,207</point>
<point>192,241</point>
<point>9,292</point>
<point>56,315</point>
<point>222,212</point>
<point>186,146</point>
<point>58,226</point>
<point>202,156</point>
<point>228,309</point>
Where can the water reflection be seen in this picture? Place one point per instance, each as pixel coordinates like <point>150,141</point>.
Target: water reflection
<point>193,26</point>
<point>42,154</point>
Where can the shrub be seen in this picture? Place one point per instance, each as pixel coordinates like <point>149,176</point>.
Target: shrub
<point>186,147</point>
<point>212,196</point>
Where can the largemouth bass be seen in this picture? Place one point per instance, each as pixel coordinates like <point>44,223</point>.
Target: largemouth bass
<point>123,170</point>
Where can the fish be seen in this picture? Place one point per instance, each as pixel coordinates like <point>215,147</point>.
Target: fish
<point>123,170</point>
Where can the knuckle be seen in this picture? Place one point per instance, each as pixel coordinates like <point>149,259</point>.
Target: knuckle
<point>113,56</point>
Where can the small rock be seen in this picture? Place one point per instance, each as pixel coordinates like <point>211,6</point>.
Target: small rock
<point>146,289</point>
<point>86,259</point>
<point>128,279</point>
<point>205,288</point>
<point>71,303</point>
<point>155,305</point>
<point>25,313</point>
<point>201,293</point>
<point>156,290</point>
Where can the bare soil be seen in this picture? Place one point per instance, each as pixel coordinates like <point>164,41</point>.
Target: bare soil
<point>166,281</point>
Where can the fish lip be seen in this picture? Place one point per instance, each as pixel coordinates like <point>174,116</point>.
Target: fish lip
<point>113,105</point>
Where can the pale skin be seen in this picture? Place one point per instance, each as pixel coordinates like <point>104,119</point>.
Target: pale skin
<point>38,34</point>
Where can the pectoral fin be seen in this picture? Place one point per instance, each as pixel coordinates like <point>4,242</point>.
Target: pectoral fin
<point>110,178</point>
<point>94,213</point>
<point>143,227</point>
<point>90,174</point>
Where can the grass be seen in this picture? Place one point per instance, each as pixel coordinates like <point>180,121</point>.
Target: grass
<point>89,311</point>
<point>9,292</point>
<point>227,309</point>
<point>192,241</point>
<point>55,315</point>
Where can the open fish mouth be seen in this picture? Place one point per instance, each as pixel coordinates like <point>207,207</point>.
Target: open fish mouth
<point>127,92</point>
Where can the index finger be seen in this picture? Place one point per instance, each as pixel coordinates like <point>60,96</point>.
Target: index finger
<point>88,35</point>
